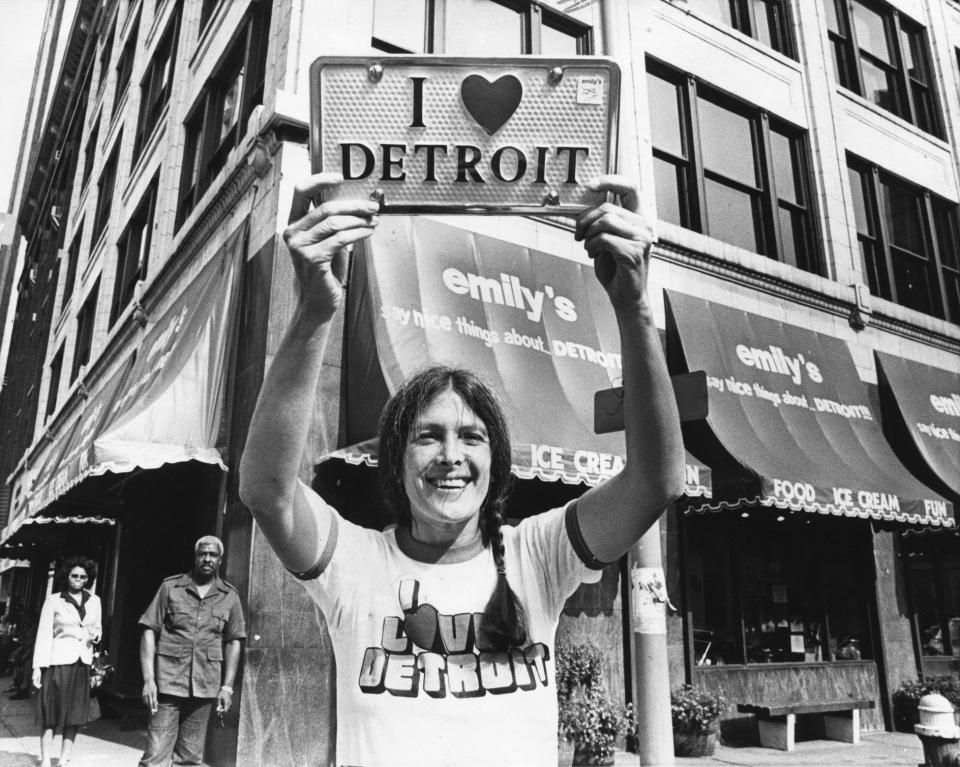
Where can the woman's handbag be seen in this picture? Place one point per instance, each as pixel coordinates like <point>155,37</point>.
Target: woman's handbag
<point>100,669</point>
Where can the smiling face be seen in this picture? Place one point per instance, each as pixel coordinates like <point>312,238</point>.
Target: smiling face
<point>446,470</point>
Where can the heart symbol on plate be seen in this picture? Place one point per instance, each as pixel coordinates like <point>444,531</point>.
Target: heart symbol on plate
<point>491,104</point>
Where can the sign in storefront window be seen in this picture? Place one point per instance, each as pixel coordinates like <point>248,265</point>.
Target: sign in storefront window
<point>761,590</point>
<point>932,565</point>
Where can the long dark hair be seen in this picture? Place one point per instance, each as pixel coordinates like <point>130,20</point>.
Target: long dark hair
<point>504,618</point>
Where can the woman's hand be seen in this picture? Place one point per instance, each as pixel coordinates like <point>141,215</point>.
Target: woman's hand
<point>317,238</point>
<point>36,678</point>
<point>618,239</point>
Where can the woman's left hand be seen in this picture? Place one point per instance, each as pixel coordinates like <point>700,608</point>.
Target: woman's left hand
<point>618,239</point>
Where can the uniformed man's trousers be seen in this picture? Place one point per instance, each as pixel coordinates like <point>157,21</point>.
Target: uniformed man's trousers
<point>178,729</point>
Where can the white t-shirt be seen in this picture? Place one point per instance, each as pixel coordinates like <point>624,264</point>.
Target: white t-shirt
<point>413,689</point>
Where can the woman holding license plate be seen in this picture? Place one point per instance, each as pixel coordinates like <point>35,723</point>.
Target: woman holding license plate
<point>443,626</point>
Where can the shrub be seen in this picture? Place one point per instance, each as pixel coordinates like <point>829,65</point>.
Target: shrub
<point>578,665</point>
<point>593,722</point>
<point>696,710</point>
<point>588,718</point>
<point>911,690</point>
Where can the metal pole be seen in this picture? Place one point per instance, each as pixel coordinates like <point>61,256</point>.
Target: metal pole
<point>647,609</point>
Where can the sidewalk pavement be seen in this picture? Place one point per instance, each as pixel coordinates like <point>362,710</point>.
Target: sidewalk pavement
<point>103,743</point>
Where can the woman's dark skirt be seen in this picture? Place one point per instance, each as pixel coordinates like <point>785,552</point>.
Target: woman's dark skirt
<point>64,696</point>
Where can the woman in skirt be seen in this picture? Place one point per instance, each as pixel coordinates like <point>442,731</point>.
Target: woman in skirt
<point>68,629</point>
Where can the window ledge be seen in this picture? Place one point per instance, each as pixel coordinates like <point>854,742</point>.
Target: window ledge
<point>733,33</point>
<point>148,151</point>
<point>901,316</point>
<point>890,117</point>
<point>727,262</point>
<point>754,262</point>
<point>787,666</point>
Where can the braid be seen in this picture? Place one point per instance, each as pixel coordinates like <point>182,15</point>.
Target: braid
<point>504,618</point>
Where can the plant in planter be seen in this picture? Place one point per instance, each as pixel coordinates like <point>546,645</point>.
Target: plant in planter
<point>589,721</point>
<point>907,696</point>
<point>695,713</point>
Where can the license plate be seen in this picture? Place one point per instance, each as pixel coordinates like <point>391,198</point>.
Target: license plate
<point>436,134</point>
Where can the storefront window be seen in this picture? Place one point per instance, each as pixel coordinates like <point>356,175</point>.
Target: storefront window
<point>932,564</point>
<point>761,590</point>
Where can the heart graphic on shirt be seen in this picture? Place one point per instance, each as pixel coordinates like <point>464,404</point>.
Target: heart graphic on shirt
<point>420,622</point>
<point>491,104</point>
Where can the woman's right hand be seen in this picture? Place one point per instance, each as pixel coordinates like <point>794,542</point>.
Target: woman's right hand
<point>317,238</point>
<point>36,678</point>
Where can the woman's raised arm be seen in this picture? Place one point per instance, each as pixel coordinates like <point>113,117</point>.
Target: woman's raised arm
<point>292,519</point>
<point>614,515</point>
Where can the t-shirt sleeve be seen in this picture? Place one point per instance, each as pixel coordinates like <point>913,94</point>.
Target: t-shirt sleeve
<point>544,539</point>
<point>152,617</point>
<point>336,589</point>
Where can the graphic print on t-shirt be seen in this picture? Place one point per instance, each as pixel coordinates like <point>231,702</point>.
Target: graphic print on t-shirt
<point>440,655</point>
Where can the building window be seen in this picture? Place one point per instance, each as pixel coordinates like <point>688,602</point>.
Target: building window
<point>763,591</point>
<point>881,54</point>
<point>218,119</point>
<point>764,20</point>
<point>729,170</point>
<point>156,84</point>
<point>477,27</point>
<point>125,63</point>
<point>55,367</point>
<point>105,193</point>
<point>73,256</point>
<point>933,581</point>
<point>90,153</point>
<point>85,321</point>
<point>133,252</point>
<point>105,53</point>
<point>908,242</point>
<point>206,11</point>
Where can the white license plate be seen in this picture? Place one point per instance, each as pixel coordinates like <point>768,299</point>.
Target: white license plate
<point>434,134</point>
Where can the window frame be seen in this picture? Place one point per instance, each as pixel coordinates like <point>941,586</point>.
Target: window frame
<point>743,18</point>
<point>930,208</point>
<point>848,56</point>
<point>206,149</point>
<point>727,535</point>
<point>534,16</point>
<point>155,90</point>
<point>133,252</point>
<point>691,175</point>
<point>86,319</point>
<point>106,54</point>
<point>106,187</point>
<point>73,257</point>
<point>90,153</point>
<point>53,388</point>
<point>125,64</point>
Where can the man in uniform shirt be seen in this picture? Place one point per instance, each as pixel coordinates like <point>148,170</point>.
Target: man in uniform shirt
<point>189,653</point>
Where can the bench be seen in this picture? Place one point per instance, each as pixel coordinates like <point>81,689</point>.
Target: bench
<point>777,721</point>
